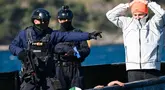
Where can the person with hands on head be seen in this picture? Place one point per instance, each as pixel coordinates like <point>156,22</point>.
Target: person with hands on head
<point>143,37</point>
<point>34,47</point>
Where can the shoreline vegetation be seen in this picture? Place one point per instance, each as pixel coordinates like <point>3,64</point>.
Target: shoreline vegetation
<point>88,16</point>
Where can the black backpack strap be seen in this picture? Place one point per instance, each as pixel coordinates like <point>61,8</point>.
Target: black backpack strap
<point>46,38</point>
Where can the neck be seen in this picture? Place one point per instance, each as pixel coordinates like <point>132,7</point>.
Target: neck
<point>37,30</point>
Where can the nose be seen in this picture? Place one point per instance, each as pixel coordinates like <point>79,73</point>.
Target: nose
<point>137,17</point>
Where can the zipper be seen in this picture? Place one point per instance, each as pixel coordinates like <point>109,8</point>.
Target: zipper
<point>157,59</point>
<point>140,44</point>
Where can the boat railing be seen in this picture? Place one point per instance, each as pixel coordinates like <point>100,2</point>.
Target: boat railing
<point>148,84</point>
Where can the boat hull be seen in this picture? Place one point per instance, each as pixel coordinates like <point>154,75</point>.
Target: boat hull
<point>98,75</point>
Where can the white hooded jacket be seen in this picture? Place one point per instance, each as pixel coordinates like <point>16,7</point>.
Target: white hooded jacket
<point>143,40</point>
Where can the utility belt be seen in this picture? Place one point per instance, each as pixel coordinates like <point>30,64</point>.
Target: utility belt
<point>67,64</point>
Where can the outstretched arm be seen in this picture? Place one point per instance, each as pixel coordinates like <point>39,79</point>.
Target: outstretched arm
<point>74,36</point>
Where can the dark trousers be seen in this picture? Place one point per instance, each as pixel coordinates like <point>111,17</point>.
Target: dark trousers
<point>134,75</point>
<point>69,76</point>
<point>10,81</point>
<point>44,85</point>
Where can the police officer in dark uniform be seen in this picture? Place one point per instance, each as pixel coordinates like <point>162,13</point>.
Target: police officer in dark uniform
<point>69,55</point>
<point>34,46</point>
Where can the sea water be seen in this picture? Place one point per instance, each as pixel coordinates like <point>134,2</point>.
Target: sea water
<point>99,55</point>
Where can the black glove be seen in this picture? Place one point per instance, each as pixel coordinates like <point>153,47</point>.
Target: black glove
<point>22,55</point>
<point>94,35</point>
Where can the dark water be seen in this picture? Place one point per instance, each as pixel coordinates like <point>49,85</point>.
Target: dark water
<point>99,55</point>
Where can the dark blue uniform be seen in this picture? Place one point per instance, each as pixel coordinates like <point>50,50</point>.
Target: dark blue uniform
<point>68,67</point>
<point>44,68</point>
<point>69,55</point>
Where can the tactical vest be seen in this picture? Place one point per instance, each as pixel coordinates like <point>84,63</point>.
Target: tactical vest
<point>41,48</point>
<point>41,64</point>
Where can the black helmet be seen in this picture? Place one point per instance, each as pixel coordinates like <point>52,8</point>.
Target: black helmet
<point>65,13</point>
<point>40,14</point>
